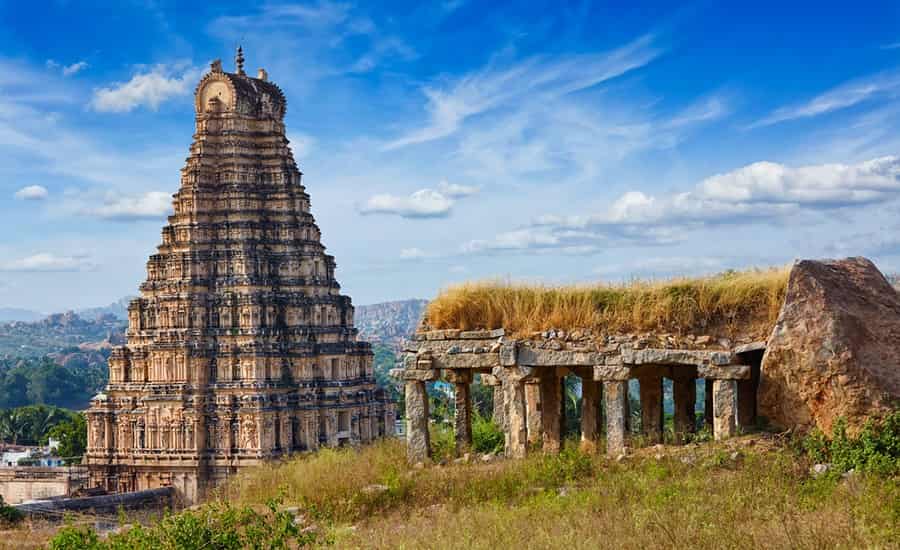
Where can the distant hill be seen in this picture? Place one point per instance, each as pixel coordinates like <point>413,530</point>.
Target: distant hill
<point>16,314</point>
<point>119,309</point>
<point>64,334</point>
<point>389,323</point>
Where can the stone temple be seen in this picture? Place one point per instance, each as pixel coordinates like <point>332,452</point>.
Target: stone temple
<point>241,347</point>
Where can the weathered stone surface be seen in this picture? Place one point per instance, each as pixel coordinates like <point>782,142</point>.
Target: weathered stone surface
<point>551,408</point>
<point>551,358</point>
<point>835,349</point>
<point>422,375</point>
<point>533,414</point>
<point>724,372</point>
<point>517,429</point>
<point>651,408</point>
<point>615,396</point>
<point>724,409</point>
<point>675,357</point>
<point>418,444</point>
<point>463,417</point>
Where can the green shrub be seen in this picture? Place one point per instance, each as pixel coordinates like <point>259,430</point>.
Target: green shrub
<point>875,449</point>
<point>487,437</point>
<point>218,526</point>
<point>8,515</point>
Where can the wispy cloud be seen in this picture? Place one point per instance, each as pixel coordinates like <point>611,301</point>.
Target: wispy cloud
<point>756,192</point>
<point>412,254</point>
<point>154,205</point>
<point>148,88</point>
<point>67,70</point>
<point>538,78</point>
<point>46,261</point>
<point>846,95</point>
<point>32,193</point>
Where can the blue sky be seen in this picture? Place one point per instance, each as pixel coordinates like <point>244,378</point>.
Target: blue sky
<point>458,140</point>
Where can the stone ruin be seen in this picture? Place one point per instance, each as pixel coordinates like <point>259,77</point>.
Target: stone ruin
<point>240,348</point>
<point>835,350</point>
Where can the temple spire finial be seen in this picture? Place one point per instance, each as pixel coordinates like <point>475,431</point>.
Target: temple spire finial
<point>239,61</point>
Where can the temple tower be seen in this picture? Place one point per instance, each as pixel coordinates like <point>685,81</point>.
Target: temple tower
<point>241,347</point>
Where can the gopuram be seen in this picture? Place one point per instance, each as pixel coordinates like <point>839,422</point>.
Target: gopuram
<point>241,347</point>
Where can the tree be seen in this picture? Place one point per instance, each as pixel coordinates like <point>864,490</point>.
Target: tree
<point>72,437</point>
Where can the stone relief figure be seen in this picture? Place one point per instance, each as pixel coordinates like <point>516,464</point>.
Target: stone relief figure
<point>249,437</point>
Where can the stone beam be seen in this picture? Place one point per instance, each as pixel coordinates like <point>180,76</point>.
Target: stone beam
<point>724,372</point>
<point>551,358</point>
<point>696,358</point>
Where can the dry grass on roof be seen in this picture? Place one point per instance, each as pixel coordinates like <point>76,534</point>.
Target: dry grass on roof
<point>744,302</point>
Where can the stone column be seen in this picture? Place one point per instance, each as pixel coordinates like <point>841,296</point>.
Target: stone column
<point>685,395</point>
<point>418,445</point>
<point>499,415</point>
<point>724,392</point>
<point>615,393</point>
<point>590,414</point>
<point>551,405</point>
<point>651,408</point>
<point>463,417</point>
<point>517,431</point>
<point>533,413</point>
<point>708,405</point>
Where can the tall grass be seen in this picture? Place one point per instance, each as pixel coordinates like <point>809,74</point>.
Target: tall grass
<point>745,301</point>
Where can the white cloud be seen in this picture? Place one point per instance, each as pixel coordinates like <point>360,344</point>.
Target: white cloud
<point>32,193</point>
<point>536,79</point>
<point>456,191</point>
<point>759,191</point>
<point>412,254</point>
<point>45,261</point>
<point>150,89</point>
<point>841,97</point>
<point>424,203</point>
<point>74,68</point>
<point>153,205</point>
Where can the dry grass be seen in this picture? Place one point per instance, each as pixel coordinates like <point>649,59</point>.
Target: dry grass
<point>695,497</point>
<point>729,302</point>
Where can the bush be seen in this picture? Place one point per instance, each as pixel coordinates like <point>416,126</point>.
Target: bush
<point>8,515</point>
<point>487,437</point>
<point>875,449</point>
<point>217,526</point>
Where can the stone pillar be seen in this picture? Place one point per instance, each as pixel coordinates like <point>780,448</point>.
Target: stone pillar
<point>708,405</point>
<point>533,413</point>
<point>685,395</point>
<point>590,414</point>
<point>551,405</point>
<point>418,445</point>
<point>517,431</point>
<point>499,415</point>
<point>463,417</point>
<point>724,393</point>
<point>651,408</point>
<point>615,393</point>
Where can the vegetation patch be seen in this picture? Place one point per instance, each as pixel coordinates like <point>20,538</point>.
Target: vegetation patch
<point>745,301</point>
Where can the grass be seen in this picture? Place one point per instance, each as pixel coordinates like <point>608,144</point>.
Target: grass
<point>729,302</point>
<point>745,493</point>
<point>709,496</point>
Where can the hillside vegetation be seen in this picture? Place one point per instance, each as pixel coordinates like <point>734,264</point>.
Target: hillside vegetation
<point>748,301</point>
<point>750,492</point>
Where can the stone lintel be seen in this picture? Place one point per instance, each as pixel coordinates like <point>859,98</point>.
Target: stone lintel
<point>752,346</point>
<point>489,380</point>
<point>420,375</point>
<point>457,346</point>
<point>724,372</point>
<point>458,376</point>
<point>452,334</point>
<point>518,373</point>
<point>552,358</point>
<point>697,358</point>
<point>611,372</point>
<point>508,354</point>
<point>466,361</point>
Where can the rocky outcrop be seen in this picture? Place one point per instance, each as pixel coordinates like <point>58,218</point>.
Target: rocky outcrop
<point>835,349</point>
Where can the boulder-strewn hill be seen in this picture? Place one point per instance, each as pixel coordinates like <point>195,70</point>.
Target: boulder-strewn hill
<point>60,333</point>
<point>389,323</point>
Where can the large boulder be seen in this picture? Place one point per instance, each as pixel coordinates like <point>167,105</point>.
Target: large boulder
<point>835,350</point>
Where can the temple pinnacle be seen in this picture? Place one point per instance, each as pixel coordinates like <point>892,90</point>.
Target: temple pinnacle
<point>239,61</point>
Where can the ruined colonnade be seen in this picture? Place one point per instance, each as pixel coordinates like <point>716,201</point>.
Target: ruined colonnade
<point>529,389</point>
